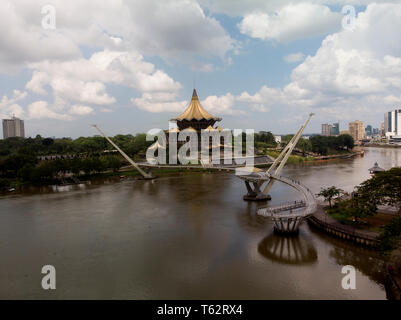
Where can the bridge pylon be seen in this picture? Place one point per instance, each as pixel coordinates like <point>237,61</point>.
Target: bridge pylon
<point>145,175</point>
<point>258,178</point>
<point>254,192</point>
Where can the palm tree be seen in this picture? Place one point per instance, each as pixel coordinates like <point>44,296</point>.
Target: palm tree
<point>330,193</point>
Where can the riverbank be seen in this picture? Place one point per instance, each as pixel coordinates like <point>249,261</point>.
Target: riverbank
<point>123,173</point>
<point>321,220</point>
<point>297,158</point>
<point>328,224</point>
<point>16,185</point>
<point>382,145</point>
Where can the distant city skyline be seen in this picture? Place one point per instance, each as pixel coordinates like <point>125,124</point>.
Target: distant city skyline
<point>134,68</point>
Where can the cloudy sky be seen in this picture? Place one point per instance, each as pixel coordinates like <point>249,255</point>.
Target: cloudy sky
<point>129,66</point>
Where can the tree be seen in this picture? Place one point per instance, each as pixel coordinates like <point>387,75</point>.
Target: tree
<point>390,236</point>
<point>384,188</point>
<point>304,144</point>
<point>114,163</point>
<point>347,141</point>
<point>265,137</point>
<point>355,208</point>
<point>47,142</point>
<point>323,144</point>
<point>330,193</point>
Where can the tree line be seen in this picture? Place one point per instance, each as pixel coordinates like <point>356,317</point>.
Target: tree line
<point>322,145</point>
<point>21,158</point>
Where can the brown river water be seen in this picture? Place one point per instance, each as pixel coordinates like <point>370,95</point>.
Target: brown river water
<point>183,237</point>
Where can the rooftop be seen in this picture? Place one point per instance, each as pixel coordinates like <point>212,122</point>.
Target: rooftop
<point>195,111</point>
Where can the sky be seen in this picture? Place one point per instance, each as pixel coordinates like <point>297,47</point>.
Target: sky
<point>130,66</point>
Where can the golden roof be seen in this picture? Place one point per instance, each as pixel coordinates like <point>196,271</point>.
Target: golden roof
<point>210,128</point>
<point>219,128</point>
<point>195,111</point>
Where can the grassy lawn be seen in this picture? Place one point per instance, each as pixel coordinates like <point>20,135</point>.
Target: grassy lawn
<point>373,223</point>
<point>291,159</point>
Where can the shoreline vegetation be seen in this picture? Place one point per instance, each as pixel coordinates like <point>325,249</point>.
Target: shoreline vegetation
<point>381,145</point>
<point>47,161</point>
<point>358,213</point>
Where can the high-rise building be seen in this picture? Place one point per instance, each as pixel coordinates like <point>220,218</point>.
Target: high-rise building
<point>368,130</point>
<point>326,129</point>
<point>357,130</point>
<point>392,124</point>
<point>335,129</point>
<point>330,129</point>
<point>13,127</point>
<point>382,132</point>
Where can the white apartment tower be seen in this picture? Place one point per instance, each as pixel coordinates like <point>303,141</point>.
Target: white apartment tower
<point>392,124</point>
<point>13,127</point>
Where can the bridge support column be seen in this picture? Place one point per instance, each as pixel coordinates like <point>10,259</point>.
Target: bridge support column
<point>285,225</point>
<point>254,193</point>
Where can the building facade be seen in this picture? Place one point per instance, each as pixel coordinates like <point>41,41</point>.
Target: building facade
<point>369,130</point>
<point>335,129</point>
<point>13,127</point>
<point>392,125</point>
<point>330,129</point>
<point>326,129</point>
<point>357,130</point>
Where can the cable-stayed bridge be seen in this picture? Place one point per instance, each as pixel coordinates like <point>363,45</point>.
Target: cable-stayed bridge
<point>258,182</point>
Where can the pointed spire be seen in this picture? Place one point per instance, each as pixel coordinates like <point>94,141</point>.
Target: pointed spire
<point>194,95</point>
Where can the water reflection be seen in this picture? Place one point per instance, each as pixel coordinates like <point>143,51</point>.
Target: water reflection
<point>295,250</point>
<point>367,261</point>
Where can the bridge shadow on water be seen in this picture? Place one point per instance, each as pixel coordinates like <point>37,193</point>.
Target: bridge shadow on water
<point>291,250</point>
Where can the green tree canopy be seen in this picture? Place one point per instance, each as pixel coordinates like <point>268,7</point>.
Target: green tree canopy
<point>383,188</point>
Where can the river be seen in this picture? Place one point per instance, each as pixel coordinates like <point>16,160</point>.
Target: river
<point>183,237</point>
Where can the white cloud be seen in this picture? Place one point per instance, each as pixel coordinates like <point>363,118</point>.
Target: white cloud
<point>83,81</point>
<point>242,7</point>
<point>353,73</point>
<point>171,29</point>
<point>291,22</point>
<point>294,57</point>
<point>41,110</point>
<point>220,105</point>
<point>81,110</point>
<point>174,27</point>
<point>159,102</point>
<point>9,106</point>
<point>24,40</point>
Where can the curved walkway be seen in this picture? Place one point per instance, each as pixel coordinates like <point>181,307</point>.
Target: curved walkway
<point>323,221</point>
<point>310,203</point>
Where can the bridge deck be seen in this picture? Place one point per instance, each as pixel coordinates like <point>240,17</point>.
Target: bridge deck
<point>309,203</point>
